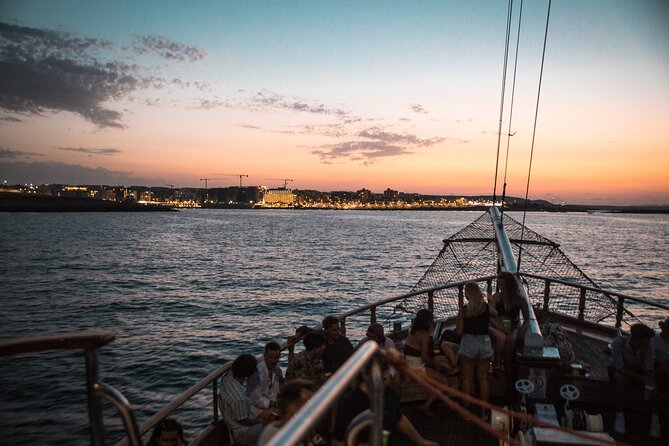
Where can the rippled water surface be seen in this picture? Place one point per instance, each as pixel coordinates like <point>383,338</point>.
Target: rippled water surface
<point>183,291</point>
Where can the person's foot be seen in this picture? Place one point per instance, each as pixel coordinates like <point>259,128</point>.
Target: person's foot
<point>619,423</point>
<point>655,430</point>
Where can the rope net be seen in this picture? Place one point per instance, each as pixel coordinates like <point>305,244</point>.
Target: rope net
<point>471,254</point>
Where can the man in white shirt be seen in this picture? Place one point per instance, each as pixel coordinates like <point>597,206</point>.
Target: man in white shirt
<point>236,406</point>
<point>263,386</point>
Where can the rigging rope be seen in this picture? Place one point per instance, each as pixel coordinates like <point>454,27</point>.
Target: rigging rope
<point>446,393</point>
<point>534,132</point>
<point>501,105</point>
<point>513,95</point>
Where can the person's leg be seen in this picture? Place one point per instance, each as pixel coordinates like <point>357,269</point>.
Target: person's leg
<point>498,339</point>
<point>467,374</point>
<point>482,367</point>
<point>450,350</point>
<point>510,349</point>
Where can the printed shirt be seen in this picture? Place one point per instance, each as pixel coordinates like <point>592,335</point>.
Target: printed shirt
<point>261,390</point>
<point>622,355</point>
<point>234,404</point>
<point>304,367</point>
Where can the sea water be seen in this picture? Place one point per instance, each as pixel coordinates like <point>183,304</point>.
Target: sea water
<point>185,291</point>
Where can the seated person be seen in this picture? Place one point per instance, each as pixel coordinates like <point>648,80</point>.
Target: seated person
<point>291,399</point>
<point>358,400</point>
<point>236,406</point>
<point>168,432</point>
<point>631,362</point>
<point>375,333</point>
<point>506,329</point>
<point>263,386</point>
<point>659,348</point>
<point>337,347</point>
<point>419,354</point>
<point>308,364</point>
<point>299,334</point>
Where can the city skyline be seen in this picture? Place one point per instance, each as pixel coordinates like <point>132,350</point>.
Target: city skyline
<point>339,96</point>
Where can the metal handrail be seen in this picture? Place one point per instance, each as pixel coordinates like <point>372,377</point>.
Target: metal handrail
<point>119,401</point>
<point>327,396</point>
<point>391,299</point>
<point>152,421</point>
<point>89,341</point>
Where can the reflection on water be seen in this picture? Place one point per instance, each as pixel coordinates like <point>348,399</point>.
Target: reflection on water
<point>185,291</point>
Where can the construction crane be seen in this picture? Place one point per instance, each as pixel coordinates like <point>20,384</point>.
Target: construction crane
<point>206,186</point>
<point>285,181</point>
<point>235,175</point>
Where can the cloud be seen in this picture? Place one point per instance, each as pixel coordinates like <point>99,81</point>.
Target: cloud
<point>10,119</point>
<point>379,134</point>
<point>376,143</point>
<point>54,172</point>
<point>6,153</point>
<point>167,49</point>
<point>58,71</point>
<point>90,151</point>
<point>365,151</point>
<point>417,108</point>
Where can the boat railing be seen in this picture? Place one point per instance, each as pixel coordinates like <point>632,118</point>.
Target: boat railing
<point>327,396</point>
<point>88,341</point>
<point>373,309</point>
<point>211,379</point>
<point>557,299</point>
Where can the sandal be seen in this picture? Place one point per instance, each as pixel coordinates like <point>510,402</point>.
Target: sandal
<point>425,411</point>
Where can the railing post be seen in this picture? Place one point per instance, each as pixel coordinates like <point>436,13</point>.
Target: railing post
<point>342,325</point>
<point>430,301</point>
<point>489,286</point>
<point>547,293</point>
<point>372,315</point>
<point>94,406</point>
<point>581,305</point>
<point>461,296</point>
<point>620,311</point>
<point>214,385</point>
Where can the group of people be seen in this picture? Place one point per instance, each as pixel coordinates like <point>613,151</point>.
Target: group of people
<point>488,332</point>
<point>256,400</point>
<point>640,360</point>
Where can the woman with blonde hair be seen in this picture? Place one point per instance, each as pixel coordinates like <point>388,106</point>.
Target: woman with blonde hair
<point>473,323</point>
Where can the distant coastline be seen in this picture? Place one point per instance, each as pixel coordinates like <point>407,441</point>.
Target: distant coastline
<point>13,202</point>
<point>21,202</point>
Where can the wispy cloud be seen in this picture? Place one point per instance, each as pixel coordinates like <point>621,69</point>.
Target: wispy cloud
<point>91,151</point>
<point>56,70</point>
<point>11,154</point>
<point>376,143</point>
<point>365,151</point>
<point>167,49</point>
<point>379,134</point>
<point>10,119</point>
<point>417,108</point>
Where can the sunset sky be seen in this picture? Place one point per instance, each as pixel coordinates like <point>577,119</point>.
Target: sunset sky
<point>337,95</point>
